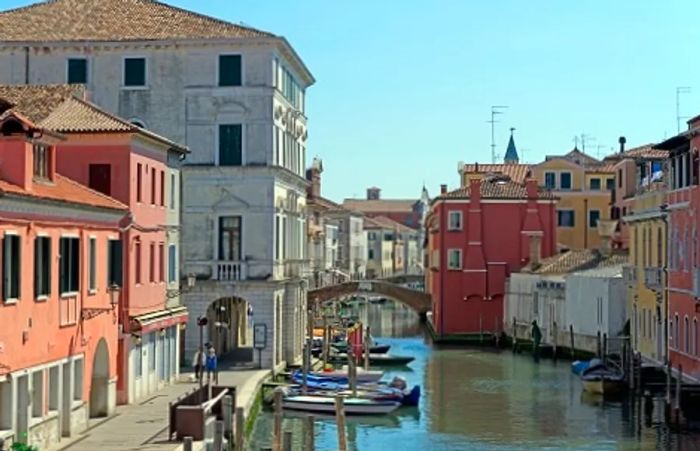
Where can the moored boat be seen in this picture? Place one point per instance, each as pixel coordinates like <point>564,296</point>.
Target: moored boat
<point>341,375</point>
<point>326,404</point>
<point>342,346</point>
<point>603,379</point>
<point>578,366</point>
<point>376,359</point>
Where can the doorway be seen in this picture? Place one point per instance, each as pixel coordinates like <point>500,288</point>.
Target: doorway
<point>99,384</point>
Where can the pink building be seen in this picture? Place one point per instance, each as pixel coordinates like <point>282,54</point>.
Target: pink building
<point>477,236</point>
<point>58,310</point>
<point>135,167</point>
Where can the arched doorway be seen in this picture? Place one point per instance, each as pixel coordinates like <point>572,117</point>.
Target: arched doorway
<point>228,329</point>
<point>99,384</point>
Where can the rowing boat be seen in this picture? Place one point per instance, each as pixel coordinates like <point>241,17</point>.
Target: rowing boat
<point>326,404</point>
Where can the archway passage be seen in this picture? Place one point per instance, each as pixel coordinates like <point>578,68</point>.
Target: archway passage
<point>99,385</point>
<point>417,300</point>
<point>228,329</point>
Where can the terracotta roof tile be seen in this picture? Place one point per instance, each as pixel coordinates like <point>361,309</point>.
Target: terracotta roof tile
<point>64,190</point>
<point>37,101</point>
<point>498,188</point>
<point>646,151</point>
<point>382,222</point>
<point>517,172</point>
<point>113,20</point>
<point>381,205</point>
<point>77,116</point>
<point>576,260</point>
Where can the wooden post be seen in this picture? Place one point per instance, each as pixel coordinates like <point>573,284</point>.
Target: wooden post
<point>352,373</point>
<point>515,335</point>
<point>239,431</point>
<point>605,347</point>
<point>310,436</point>
<point>554,340</point>
<point>598,350</point>
<point>367,345</point>
<point>326,340</point>
<point>496,335</point>
<point>638,373</point>
<point>277,426</point>
<point>677,403</point>
<point>481,328</point>
<point>219,436</point>
<point>573,349</point>
<point>187,444</point>
<point>668,383</point>
<point>340,422</point>
<point>227,413</point>
<point>287,442</point>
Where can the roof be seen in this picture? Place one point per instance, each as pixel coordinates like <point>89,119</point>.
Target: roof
<point>646,151</point>
<point>576,260</point>
<point>607,167</point>
<point>324,203</point>
<point>612,270</point>
<point>382,222</point>
<point>64,190</point>
<point>511,151</point>
<point>517,172</point>
<point>381,205</point>
<point>497,187</point>
<point>113,20</point>
<point>59,108</point>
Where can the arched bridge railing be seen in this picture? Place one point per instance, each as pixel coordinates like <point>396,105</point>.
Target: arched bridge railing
<point>417,300</point>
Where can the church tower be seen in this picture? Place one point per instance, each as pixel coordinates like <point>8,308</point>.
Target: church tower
<point>511,152</point>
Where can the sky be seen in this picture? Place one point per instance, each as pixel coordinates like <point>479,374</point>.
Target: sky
<point>404,88</point>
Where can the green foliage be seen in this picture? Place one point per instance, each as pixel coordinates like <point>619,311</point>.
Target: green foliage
<point>17,446</point>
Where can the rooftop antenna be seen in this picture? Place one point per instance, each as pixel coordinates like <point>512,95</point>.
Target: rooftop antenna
<point>680,90</point>
<point>598,147</point>
<point>585,137</point>
<point>495,109</point>
<point>522,154</point>
<point>575,140</point>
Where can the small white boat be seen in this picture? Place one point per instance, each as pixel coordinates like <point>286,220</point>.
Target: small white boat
<point>326,404</point>
<point>362,375</point>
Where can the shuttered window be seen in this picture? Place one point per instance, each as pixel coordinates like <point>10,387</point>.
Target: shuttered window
<point>230,70</point>
<point>92,255</point>
<point>11,263</point>
<point>114,263</point>
<point>172,263</point>
<point>230,145</point>
<point>42,266</point>
<point>70,265</point>
<point>134,71</point>
<point>77,71</point>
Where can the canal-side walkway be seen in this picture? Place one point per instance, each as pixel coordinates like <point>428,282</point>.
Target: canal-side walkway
<point>144,425</point>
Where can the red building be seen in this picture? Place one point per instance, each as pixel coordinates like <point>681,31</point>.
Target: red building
<point>477,236</point>
<point>683,204</point>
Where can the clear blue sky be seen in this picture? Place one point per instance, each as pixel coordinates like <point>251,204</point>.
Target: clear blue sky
<point>404,87</point>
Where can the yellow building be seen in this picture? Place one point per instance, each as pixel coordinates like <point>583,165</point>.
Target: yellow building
<point>645,275</point>
<point>583,185</point>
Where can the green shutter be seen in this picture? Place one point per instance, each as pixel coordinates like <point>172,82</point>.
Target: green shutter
<point>37,266</point>
<point>47,266</point>
<point>230,70</point>
<point>134,72</point>
<point>77,70</point>
<point>230,145</point>
<point>63,249</point>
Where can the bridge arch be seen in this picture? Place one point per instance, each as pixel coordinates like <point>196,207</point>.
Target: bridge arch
<point>417,300</point>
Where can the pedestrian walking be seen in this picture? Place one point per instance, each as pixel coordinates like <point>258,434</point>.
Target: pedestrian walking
<point>198,363</point>
<point>211,365</point>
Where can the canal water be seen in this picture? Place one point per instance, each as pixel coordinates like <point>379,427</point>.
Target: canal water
<point>482,399</point>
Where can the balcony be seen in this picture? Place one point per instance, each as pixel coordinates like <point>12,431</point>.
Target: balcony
<point>229,271</point>
<point>629,274</point>
<point>653,278</point>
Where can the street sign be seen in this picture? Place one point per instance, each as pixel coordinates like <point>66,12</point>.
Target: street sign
<point>365,286</point>
<point>260,336</point>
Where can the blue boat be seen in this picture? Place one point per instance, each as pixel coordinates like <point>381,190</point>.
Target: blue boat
<point>395,390</point>
<point>579,366</point>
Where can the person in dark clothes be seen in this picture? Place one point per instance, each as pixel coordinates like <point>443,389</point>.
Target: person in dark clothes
<point>536,339</point>
<point>198,363</point>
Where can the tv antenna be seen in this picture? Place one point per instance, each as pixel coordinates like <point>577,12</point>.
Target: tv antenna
<point>495,109</point>
<point>680,90</point>
<point>585,137</point>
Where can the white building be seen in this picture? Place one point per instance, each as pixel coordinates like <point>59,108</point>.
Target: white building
<point>235,96</point>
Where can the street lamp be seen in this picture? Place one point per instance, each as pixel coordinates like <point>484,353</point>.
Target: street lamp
<point>191,280</point>
<point>91,312</point>
<point>202,322</point>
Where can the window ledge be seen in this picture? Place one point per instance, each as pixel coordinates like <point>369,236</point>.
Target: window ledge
<point>11,301</point>
<point>134,88</point>
<point>77,404</point>
<point>42,298</point>
<point>92,292</point>
<point>69,294</point>
<point>455,229</point>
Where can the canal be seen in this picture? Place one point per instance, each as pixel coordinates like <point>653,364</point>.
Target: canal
<point>482,399</point>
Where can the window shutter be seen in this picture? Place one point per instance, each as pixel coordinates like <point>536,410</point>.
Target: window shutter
<point>5,268</point>
<point>47,266</point>
<point>38,276</point>
<point>62,262</point>
<point>230,70</point>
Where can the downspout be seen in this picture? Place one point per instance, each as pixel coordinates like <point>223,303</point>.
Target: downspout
<point>585,223</point>
<point>26,65</point>
<point>665,296</point>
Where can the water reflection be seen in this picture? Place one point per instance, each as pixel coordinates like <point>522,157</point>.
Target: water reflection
<point>481,399</point>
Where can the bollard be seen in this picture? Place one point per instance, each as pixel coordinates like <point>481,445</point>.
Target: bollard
<point>227,413</point>
<point>340,422</point>
<point>219,436</point>
<point>677,404</point>
<point>287,441</point>
<point>239,430</point>
<point>277,427</point>
<point>309,429</point>
<point>187,444</point>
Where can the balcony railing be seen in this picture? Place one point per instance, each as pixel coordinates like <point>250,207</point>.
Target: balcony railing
<point>653,278</point>
<point>229,270</point>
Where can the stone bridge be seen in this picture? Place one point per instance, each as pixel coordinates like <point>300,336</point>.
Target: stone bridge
<point>417,300</point>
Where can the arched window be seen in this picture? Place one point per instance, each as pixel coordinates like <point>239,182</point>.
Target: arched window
<point>676,335</point>
<point>695,336</point>
<point>686,335</point>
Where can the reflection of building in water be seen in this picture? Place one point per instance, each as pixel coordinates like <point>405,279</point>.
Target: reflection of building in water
<point>390,319</point>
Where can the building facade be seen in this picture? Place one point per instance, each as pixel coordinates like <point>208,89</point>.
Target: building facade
<point>478,236</point>
<point>60,300</point>
<point>235,96</point>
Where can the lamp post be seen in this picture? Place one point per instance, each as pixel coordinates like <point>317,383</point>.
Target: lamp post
<point>202,321</point>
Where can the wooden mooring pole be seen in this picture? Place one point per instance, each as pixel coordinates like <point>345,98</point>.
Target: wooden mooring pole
<point>277,421</point>
<point>554,340</point>
<point>309,433</point>
<point>515,335</point>
<point>677,403</point>
<point>481,328</point>
<point>239,430</point>
<point>573,349</point>
<point>598,346</point>
<point>668,385</point>
<point>340,422</point>
<point>367,345</point>
<point>219,436</point>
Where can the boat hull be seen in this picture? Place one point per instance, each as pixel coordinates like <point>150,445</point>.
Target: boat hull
<point>377,359</point>
<point>603,386</point>
<point>327,406</point>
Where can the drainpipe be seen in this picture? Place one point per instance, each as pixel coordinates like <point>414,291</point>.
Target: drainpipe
<point>585,224</point>
<point>26,65</point>
<point>665,295</point>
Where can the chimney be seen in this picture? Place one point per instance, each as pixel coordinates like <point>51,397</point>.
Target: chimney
<point>313,175</point>
<point>532,188</point>
<point>476,166</point>
<point>535,250</point>
<point>622,142</point>
<point>443,189</point>
<point>373,193</point>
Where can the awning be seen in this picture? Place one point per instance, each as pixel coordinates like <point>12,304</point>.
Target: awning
<point>159,320</point>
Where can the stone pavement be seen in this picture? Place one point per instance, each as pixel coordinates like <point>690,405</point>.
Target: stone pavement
<point>144,425</point>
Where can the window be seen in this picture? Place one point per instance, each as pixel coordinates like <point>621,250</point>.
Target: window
<point>593,217</point>
<point>153,186</point>
<point>42,266</point>
<point>230,145</point>
<point>372,235</point>
<point>162,188</point>
<point>610,184</point>
<point>619,178</point>
<point>38,394</point>
<point>78,372</point>
<point>565,180</point>
<point>137,262</point>
<point>565,218</point>
<point>172,263</point>
<point>695,336</point>
<point>550,180</point>
<point>138,360</point>
<point>230,238</point>
<point>173,191</point>
<point>455,220</point>
<point>134,71</point>
<point>101,178</point>
<point>54,388</point>
<point>659,248</point>
<point>454,259</point>
<point>70,265</point>
<point>152,263</point>
<point>114,262</point>
<point>11,264</point>
<point>676,333</point>
<point>77,71</point>
<point>42,161</point>
<point>139,182</point>
<point>278,238</point>
<point>92,255</point>
<point>230,70</point>
<point>594,184</point>
<point>686,335</point>
<point>161,266</point>
<point>370,254</point>
<point>388,236</point>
